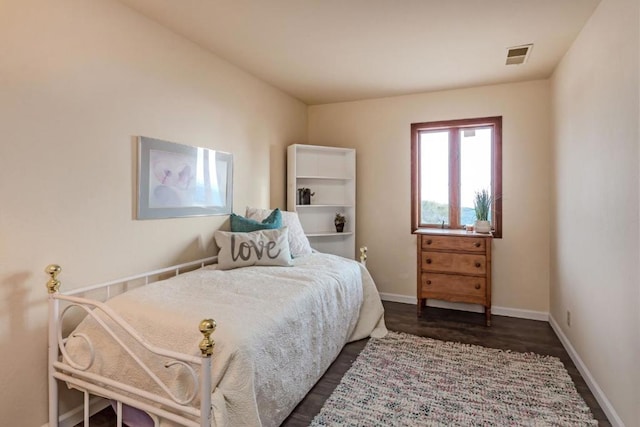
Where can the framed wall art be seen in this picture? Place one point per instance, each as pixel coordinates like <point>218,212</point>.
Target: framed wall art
<point>176,180</point>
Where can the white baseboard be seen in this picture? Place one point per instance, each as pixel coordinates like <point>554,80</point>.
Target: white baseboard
<point>520,313</point>
<point>606,406</point>
<point>405,299</point>
<point>76,415</point>
<point>500,311</point>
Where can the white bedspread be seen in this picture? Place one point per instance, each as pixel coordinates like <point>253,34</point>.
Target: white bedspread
<point>279,329</point>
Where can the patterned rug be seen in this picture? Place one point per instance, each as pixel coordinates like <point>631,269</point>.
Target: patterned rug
<point>405,380</point>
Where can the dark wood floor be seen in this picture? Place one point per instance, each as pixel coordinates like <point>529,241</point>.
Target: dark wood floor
<point>506,333</point>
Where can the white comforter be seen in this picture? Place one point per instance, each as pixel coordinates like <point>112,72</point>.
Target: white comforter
<point>279,329</point>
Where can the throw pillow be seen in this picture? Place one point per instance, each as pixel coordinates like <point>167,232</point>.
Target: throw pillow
<point>245,225</point>
<point>298,241</point>
<point>262,247</point>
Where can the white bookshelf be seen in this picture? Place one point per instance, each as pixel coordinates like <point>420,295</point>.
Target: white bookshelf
<point>330,173</point>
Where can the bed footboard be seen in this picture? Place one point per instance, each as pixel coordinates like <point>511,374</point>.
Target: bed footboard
<point>167,406</point>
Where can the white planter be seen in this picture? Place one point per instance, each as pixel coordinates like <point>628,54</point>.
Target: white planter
<point>483,226</point>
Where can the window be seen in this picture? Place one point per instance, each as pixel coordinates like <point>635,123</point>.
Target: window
<point>450,162</point>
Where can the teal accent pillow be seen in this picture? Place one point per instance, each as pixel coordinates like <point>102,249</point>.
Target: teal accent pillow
<point>246,225</point>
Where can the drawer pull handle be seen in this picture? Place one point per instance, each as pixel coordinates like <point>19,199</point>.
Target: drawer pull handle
<point>428,260</point>
<point>429,242</point>
<point>477,285</point>
<point>477,245</point>
<point>478,265</point>
<point>428,282</point>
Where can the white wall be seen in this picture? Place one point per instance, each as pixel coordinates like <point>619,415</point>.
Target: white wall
<point>79,79</point>
<point>595,210</point>
<point>379,129</point>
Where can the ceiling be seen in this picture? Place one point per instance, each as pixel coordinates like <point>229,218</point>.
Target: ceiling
<point>323,51</point>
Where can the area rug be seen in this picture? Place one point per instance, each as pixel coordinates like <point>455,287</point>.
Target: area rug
<point>405,380</point>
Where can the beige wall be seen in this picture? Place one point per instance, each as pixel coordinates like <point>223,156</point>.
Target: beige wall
<point>595,214</point>
<point>380,131</point>
<point>78,80</point>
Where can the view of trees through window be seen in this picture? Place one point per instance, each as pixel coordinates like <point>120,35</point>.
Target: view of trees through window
<point>451,162</point>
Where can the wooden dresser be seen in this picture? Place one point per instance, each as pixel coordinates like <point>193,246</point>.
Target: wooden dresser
<point>454,265</point>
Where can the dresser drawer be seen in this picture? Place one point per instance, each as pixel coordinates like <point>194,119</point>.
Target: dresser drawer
<point>454,263</point>
<point>448,243</point>
<point>451,287</point>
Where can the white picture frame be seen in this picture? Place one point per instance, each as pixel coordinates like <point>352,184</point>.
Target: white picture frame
<point>176,181</point>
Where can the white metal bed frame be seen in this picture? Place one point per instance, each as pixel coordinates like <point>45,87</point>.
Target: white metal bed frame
<point>171,407</point>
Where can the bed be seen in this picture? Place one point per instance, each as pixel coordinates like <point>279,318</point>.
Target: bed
<point>278,330</point>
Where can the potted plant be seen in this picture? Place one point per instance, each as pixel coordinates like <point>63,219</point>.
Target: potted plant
<point>339,221</point>
<point>482,206</point>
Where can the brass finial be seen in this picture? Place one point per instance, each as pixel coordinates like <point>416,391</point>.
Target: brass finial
<point>53,284</point>
<point>207,326</point>
<point>363,254</point>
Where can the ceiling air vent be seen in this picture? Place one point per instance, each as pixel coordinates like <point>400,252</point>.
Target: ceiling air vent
<point>518,54</point>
